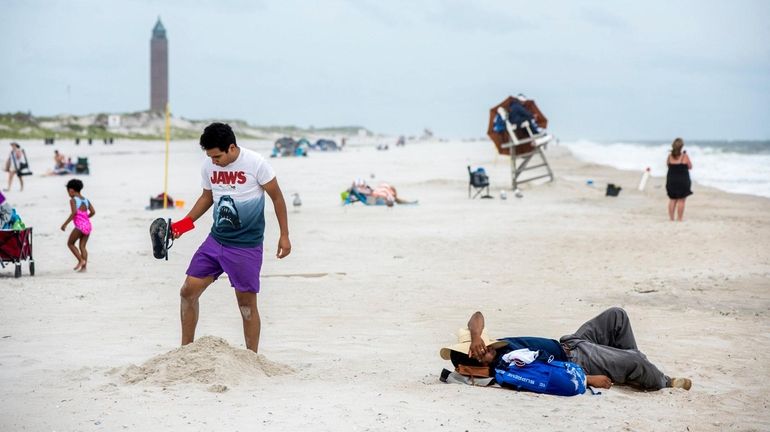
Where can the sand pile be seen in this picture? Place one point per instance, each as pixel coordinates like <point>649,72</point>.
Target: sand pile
<point>208,360</point>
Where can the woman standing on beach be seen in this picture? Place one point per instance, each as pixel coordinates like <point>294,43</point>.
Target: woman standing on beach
<point>15,158</point>
<point>678,179</point>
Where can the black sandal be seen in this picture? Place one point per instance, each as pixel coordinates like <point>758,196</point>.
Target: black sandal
<point>160,234</point>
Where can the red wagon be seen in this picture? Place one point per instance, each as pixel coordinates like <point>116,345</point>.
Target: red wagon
<point>15,247</point>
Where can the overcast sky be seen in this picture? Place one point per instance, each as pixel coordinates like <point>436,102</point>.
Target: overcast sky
<point>598,69</point>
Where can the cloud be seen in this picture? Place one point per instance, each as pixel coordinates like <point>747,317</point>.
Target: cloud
<point>398,66</point>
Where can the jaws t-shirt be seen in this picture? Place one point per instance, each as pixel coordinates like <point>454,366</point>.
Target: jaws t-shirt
<point>239,199</point>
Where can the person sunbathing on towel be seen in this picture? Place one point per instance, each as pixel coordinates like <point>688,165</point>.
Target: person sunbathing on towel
<point>59,165</point>
<point>604,347</point>
<point>382,191</point>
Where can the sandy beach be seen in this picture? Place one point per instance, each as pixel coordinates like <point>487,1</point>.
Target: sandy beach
<point>354,318</point>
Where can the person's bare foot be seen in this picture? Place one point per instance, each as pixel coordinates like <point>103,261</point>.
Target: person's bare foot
<point>77,267</point>
<point>682,383</point>
<point>599,381</point>
<point>82,267</point>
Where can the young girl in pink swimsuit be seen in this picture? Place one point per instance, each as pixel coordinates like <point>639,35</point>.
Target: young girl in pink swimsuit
<point>81,213</point>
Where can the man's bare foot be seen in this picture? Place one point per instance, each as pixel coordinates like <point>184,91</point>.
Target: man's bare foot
<point>82,267</point>
<point>682,383</point>
<point>599,381</point>
<point>77,267</point>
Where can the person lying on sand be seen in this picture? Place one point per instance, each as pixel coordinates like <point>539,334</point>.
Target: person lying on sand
<point>383,191</point>
<point>604,347</point>
<point>60,166</point>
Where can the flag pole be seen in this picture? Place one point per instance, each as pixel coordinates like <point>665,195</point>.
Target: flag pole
<point>165,174</point>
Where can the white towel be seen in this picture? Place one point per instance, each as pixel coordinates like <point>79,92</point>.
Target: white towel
<point>521,357</point>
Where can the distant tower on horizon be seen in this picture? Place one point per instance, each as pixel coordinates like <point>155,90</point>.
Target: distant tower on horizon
<point>158,68</point>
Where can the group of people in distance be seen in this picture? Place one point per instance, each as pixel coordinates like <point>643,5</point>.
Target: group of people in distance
<point>81,209</point>
<point>16,165</point>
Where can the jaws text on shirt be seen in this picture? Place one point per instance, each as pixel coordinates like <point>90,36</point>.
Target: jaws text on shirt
<point>228,177</point>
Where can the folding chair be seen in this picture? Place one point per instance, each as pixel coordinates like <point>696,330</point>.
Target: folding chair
<point>479,182</point>
<point>82,166</point>
<point>524,146</point>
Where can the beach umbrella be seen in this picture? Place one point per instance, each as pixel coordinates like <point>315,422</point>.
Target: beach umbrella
<point>501,137</point>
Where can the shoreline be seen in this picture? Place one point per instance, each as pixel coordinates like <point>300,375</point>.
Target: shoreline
<point>662,179</point>
<point>719,165</point>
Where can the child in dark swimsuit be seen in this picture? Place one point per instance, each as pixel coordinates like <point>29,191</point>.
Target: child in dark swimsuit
<point>81,212</point>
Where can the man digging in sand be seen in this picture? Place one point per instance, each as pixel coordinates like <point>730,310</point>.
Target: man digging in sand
<point>235,180</point>
<point>604,347</point>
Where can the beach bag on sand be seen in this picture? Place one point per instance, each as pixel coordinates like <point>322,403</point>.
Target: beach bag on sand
<point>23,170</point>
<point>10,219</point>
<point>613,190</point>
<point>21,165</point>
<point>6,213</point>
<point>550,377</point>
<point>479,177</point>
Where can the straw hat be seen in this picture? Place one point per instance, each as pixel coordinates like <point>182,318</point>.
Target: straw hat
<point>463,344</point>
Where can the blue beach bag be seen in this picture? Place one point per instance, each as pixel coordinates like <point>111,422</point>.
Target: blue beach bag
<point>550,377</point>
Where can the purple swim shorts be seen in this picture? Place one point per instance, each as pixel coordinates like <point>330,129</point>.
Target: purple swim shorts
<point>242,265</point>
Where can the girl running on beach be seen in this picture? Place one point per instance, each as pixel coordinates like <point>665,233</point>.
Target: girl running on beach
<point>81,212</point>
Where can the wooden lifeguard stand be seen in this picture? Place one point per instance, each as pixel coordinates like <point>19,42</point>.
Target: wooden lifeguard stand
<point>521,143</point>
<point>524,149</point>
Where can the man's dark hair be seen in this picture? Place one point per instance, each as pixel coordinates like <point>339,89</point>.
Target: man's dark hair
<point>217,135</point>
<point>75,185</point>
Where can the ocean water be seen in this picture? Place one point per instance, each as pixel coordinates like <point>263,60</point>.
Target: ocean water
<point>732,166</point>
